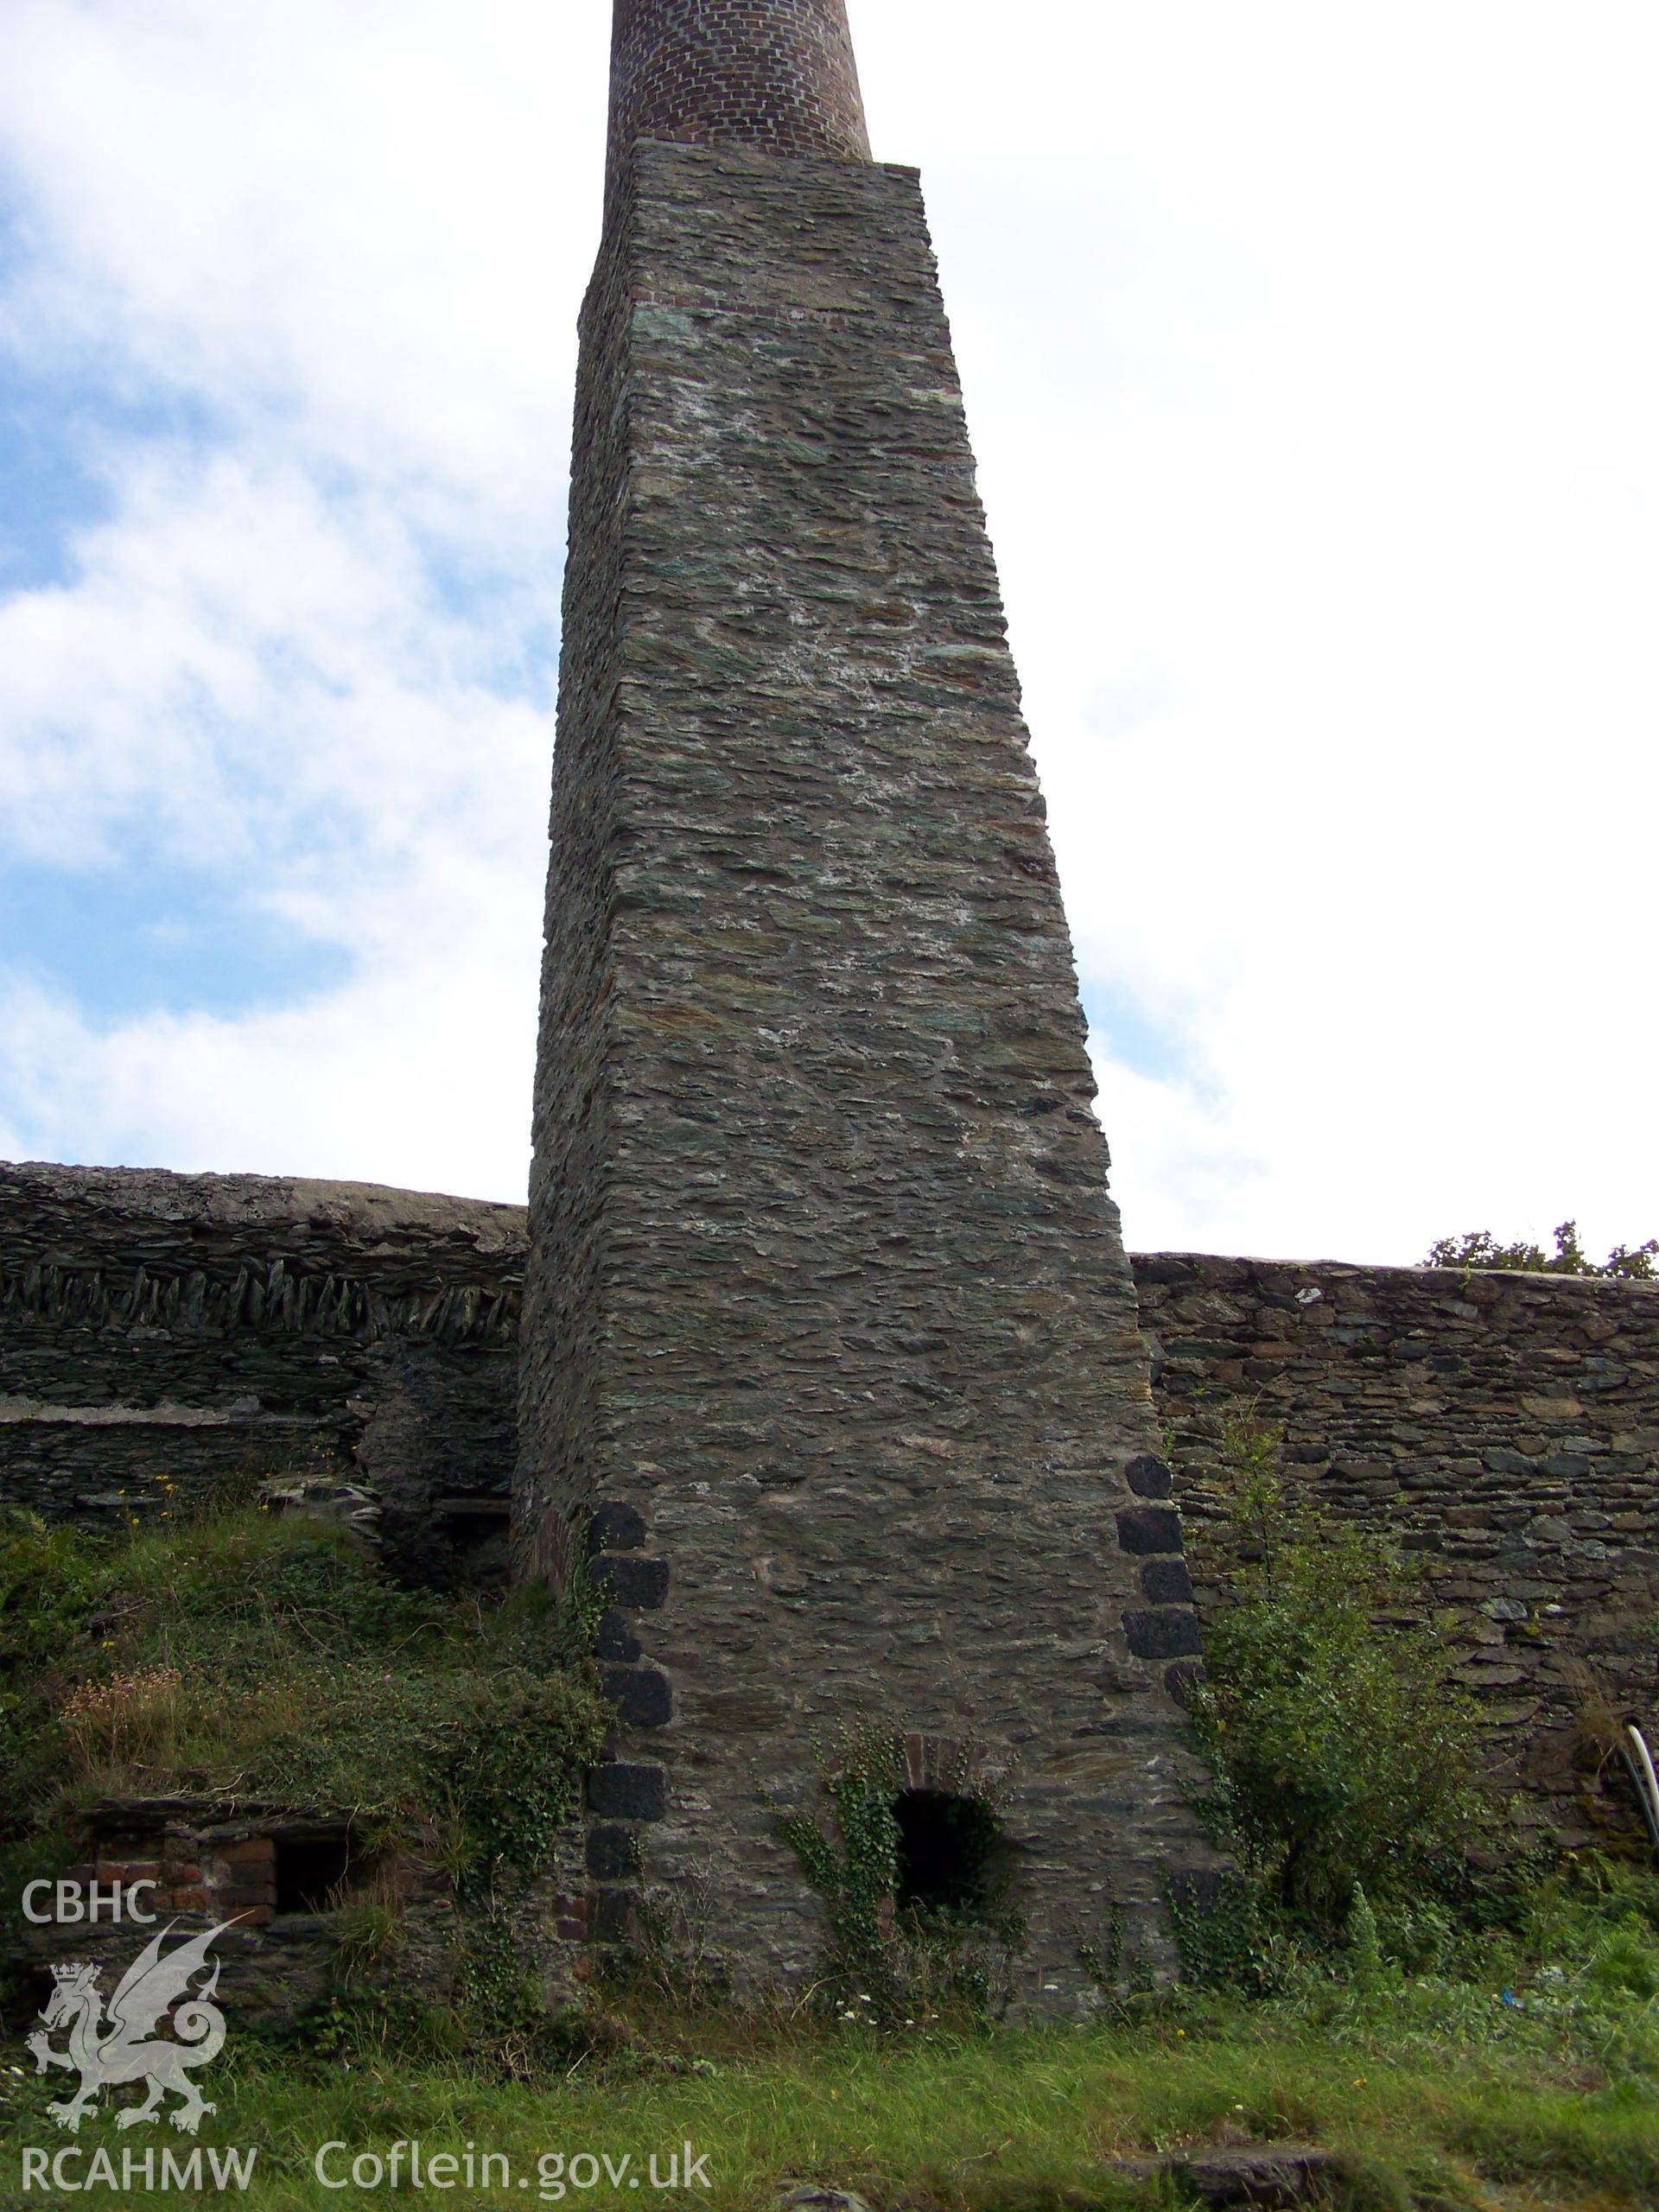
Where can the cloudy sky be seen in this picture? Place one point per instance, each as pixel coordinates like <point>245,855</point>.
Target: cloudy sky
<point>1310,354</point>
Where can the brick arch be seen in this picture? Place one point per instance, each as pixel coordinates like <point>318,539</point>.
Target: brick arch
<point>946,1762</point>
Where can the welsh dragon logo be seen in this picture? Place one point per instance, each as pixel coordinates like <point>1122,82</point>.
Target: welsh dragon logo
<point>110,2050</point>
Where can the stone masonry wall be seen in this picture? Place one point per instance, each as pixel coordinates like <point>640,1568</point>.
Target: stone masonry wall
<point>775,73</point>
<point>1504,1427</point>
<point>828,1320</point>
<point>159,1333</point>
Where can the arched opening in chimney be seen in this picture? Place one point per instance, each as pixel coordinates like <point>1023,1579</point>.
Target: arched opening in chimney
<point>948,1849</point>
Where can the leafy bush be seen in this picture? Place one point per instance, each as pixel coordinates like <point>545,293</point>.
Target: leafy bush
<point>1345,1755</point>
<point>852,1861</point>
<point>1478,1248</point>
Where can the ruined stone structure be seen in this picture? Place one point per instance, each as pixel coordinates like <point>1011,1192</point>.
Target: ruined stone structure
<point>280,1878</point>
<point>204,1327</point>
<point>829,1333</point>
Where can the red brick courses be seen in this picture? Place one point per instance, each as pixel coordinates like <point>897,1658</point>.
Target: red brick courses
<point>775,73</point>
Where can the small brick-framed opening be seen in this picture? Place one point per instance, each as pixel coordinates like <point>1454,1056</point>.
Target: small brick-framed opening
<point>313,1868</point>
<point>948,1845</point>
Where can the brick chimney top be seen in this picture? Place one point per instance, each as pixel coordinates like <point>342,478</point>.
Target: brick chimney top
<point>773,74</point>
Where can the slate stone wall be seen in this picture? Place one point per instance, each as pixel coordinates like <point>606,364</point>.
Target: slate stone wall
<point>828,1313</point>
<point>775,73</point>
<point>161,1333</point>
<point>1504,1427</point>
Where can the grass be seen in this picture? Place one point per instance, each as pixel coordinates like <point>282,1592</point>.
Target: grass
<point>1534,2085</point>
<point>1008,2119</point>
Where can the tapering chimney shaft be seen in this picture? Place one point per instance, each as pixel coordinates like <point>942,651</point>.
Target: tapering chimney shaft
<point>831,1368</point>
<point>773,74</point>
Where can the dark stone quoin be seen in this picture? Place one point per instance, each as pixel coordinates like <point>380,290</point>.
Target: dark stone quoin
<point>826,1300</point>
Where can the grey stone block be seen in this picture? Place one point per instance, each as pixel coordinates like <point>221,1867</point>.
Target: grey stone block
<point>1166,1582</point>
<point>612,1854</point>
<point>615,1526</point>
<point>641,1694</point>
<point>627,1579</point>
<point>1147,1476</point>
<point>1162,1631</point>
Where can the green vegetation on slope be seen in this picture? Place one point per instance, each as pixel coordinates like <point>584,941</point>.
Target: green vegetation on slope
<point>1346,1756</point>
<point>1459,2040</point>
<point>244,1654</point>
<point>1436,2093</point>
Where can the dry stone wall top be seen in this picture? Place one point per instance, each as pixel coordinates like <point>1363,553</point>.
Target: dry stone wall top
<point>162,1335</point>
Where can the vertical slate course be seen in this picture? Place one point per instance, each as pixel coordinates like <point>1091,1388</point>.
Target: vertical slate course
<point>560,1409</point>
<point>825,1288</point>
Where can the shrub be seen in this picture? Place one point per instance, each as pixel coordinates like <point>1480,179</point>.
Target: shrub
<point>887,1961</point>
<point>1345,1754</point>
<point>1478,1248</point>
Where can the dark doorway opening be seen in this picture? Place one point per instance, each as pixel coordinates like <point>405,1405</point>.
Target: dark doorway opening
<point>947,1854</point>
<point>313,1869</point>
<point>477,1529</point>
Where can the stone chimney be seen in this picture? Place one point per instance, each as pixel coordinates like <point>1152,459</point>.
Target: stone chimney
<point>832,1369</point>
<point>778,74</point>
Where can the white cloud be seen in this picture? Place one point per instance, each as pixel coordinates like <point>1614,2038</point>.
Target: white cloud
<point>254,684</point>
<point>415,1074</point>
<point>1309,356</point>
<point>356,226</point>
<point>1312,393</point>
<point>258,679</point>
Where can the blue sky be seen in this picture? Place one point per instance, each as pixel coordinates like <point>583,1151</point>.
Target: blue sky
<point>1309,362</point>
<point>47,489</point>
<point>127,939</point>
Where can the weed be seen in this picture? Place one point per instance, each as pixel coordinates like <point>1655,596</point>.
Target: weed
<point>243,1655</point>
<point>890,1959</point>
<point>368,1927</point>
